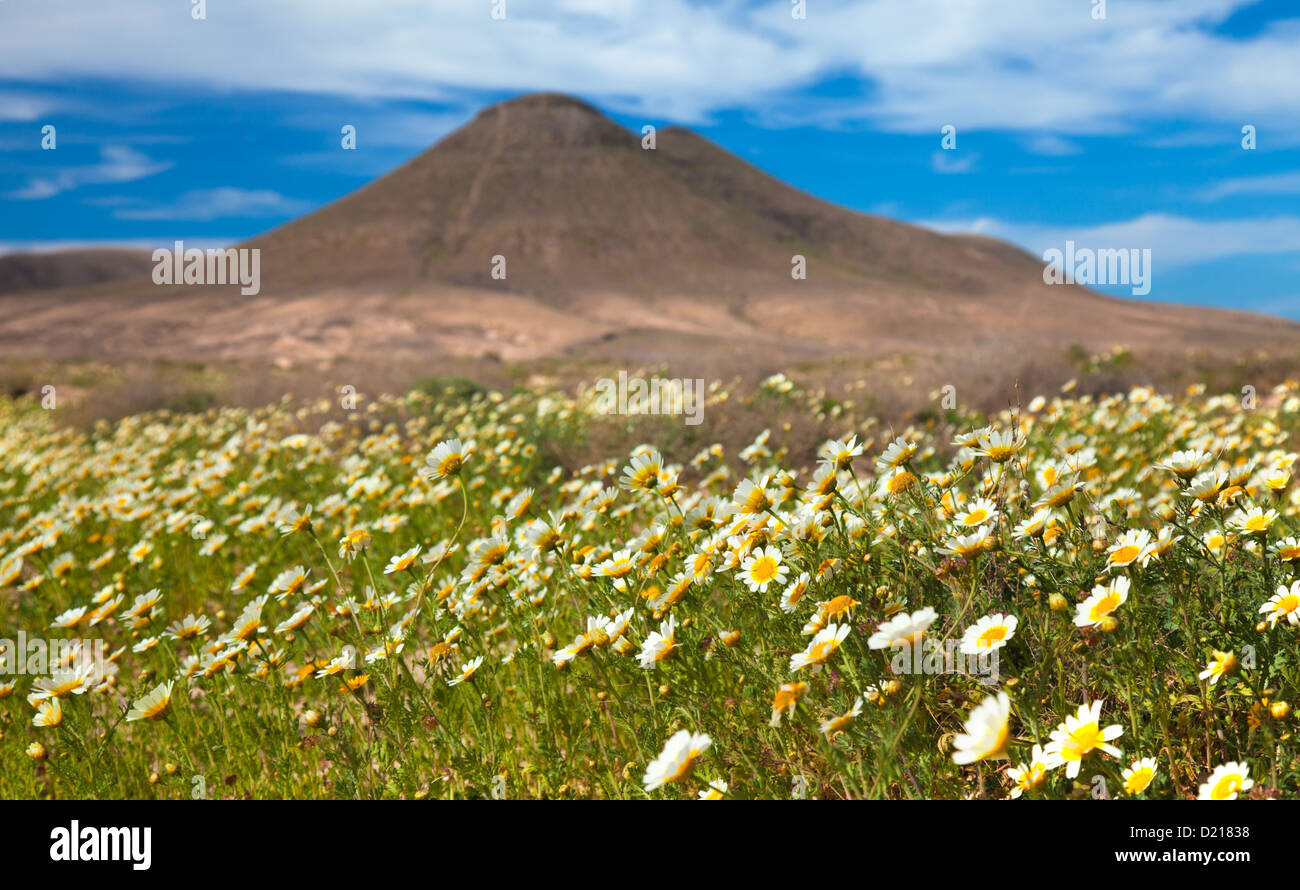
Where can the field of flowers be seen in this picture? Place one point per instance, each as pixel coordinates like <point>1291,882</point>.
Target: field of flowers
<point>1083,597</point>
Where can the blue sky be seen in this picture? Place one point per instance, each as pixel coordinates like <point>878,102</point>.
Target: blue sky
<point>1122,132</point>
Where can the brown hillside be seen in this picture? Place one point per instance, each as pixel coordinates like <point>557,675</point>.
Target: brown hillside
<point>624,255</point>
<point>21,272</point>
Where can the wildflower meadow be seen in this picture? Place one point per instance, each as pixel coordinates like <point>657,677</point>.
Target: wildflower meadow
<point>1089,597</point>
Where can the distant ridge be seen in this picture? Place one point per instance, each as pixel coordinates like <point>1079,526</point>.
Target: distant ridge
<point>614,252</point>
<point>575,205</point>
<point>69,268</point>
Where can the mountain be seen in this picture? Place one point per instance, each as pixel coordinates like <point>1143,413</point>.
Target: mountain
<point>614,252</point>
<point>21,272</point>
<point>576,205</point>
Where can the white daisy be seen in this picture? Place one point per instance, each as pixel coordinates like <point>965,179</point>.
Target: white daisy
<point>821,648</point>
<point>903,630</point>
<point>1078,735</point>
<point>763,567</point>
<point>989,633</point>
<point>1102,602</point>
<point>1226,782</point>
<point>659,645</point>
<point>680,754</point>
<point>987,732</point>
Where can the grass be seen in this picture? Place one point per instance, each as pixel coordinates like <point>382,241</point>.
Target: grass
<point>324,663</point>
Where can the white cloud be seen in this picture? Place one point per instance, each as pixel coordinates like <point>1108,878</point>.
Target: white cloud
<point>209,204</point>
<point>1051,145</point>
<point>1276,184</point>
<point>20,107</point>
<point>121,243</point>
<point>951,162</point>
<point>1173,240</point>
<point>117,163</point>
<point>382,139</point>
<point>981,64</point>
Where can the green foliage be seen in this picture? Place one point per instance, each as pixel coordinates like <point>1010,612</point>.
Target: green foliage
<point>211,510</point>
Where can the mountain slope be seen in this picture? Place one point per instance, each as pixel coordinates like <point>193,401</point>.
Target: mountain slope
<point>574,204</point>
<point>20,272</point>
<point>681,254</point>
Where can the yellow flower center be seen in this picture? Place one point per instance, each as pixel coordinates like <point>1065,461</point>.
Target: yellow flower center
<point>1104,606</point>
<point>1033,777</point>
<point>1225,787</point>
<point>645,477</point>
<point>1125,554</point>
<point>998,749</point>
<point>839,606</point>
<point>909,641</point>
<point>685,768</point>
<point>1081,741</point>
<point>838,724</point>
<point>763,570</point>
<point>619,569</point>
<point>1062,497</point>
<point>1138,780</point>
<point>788,694</point>
<point>66,687</point>
<point>901,482</point>
<point>823,650</point>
